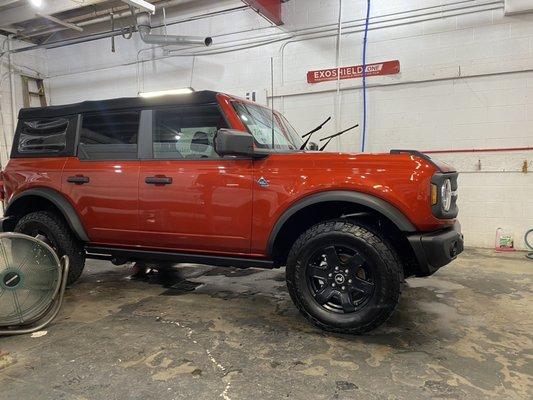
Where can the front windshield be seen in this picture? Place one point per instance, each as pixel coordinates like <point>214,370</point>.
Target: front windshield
<point>259,121</point>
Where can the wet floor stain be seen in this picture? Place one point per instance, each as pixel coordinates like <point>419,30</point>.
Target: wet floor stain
<point>205,332</point>
<point>180,287</point>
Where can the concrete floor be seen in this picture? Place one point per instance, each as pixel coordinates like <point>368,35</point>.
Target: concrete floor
<point>234,334</point>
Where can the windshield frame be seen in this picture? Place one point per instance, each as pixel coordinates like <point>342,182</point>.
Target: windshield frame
<point>281,124</point>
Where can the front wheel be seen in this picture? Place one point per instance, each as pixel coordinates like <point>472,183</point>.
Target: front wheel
<point>343,277</point>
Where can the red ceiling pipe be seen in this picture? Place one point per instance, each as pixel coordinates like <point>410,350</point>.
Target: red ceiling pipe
<point>270,9</point>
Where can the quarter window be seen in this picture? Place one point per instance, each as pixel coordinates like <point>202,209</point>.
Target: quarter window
<point>43,136</point>
<point>109,136</point>
<point>186,132</point>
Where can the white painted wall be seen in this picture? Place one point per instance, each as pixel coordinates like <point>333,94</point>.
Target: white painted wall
<point>30,64</point>
<point>466,82</point>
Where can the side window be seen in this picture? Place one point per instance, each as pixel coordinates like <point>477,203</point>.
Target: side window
<point>186,132</point>
<point>43,136</point>
<point>109,136</point>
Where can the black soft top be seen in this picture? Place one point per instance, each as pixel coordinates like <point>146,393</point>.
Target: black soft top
<point>194,98</point>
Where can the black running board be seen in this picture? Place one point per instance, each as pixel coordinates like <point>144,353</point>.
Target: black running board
<point>108,253</point>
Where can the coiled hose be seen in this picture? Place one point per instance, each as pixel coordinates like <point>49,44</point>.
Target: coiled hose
<point>530,245</point>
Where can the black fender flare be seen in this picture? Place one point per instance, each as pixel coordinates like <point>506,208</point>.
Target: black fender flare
<point>379,205</point>
<point>56,198</point>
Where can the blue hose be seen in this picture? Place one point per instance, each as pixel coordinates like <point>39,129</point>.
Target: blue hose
<point>364,75</point>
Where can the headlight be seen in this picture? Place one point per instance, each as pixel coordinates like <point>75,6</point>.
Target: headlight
<point>446,195</point>
<point>443,195</point>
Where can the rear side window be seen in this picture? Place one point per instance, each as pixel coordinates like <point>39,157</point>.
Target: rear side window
<point>109,136</point>
<point>43,136</point>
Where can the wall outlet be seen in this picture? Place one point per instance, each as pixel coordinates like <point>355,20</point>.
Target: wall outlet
<point>259,97</point>
<point>252,96</point>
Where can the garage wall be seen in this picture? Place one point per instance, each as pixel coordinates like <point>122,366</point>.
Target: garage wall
<point>466,82</point>
<point>30,64</point>
<point>461,87</point>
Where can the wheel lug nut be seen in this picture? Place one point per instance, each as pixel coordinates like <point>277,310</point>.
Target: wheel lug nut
<point>344,287</point>
<point>346,271</point>
<point>332,285</point>
<point>336,268</point>
<point>330,275</point>
<point>349,281</point>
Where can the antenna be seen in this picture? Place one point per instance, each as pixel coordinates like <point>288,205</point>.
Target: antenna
<point>272,96</point>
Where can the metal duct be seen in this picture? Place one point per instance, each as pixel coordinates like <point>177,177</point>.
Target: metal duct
<point>144,27</point>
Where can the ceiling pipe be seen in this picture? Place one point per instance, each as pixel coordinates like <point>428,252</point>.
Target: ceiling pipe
<point>104,35</point>
<point>145,30</point>
<point>103,16</point>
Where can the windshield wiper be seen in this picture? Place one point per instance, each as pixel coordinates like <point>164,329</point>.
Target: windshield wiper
<point>328,138</point>
<point>310,133</point>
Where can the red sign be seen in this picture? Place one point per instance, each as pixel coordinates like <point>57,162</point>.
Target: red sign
<point>383,68</point>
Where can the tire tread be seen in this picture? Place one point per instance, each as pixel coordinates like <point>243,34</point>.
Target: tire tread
<point>386,252</point>
<point>65,240</point>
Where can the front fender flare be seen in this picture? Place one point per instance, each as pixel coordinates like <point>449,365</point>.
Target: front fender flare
<point>367,200</point>
<point>56,198</point>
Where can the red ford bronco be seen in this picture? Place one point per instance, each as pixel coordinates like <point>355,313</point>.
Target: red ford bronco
<point>208,178</point>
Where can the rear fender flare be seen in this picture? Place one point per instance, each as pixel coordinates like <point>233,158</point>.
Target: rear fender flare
<point>56,198</point>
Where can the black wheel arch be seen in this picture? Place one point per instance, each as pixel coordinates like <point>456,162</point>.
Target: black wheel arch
<point>339,203</point>
<point>51,199</point>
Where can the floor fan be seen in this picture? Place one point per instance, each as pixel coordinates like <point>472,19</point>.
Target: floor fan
<point>32,284</point>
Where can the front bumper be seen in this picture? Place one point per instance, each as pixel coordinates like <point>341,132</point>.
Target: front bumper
<point>436,249</point>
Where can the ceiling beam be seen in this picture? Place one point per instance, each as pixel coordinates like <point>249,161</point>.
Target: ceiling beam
<point>10,29</point>
<point>7,2</point>
<point>25,11</point>
<point>61,22</point>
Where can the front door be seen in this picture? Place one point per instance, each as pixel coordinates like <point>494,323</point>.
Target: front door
<point>190,199</point>
<point>102,181</point>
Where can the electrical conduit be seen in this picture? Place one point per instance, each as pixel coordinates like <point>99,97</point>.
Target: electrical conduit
<point>363,137</point>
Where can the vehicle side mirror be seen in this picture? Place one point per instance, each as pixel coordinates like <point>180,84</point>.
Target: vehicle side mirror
<point>230,142</point>
<point>312,146</point>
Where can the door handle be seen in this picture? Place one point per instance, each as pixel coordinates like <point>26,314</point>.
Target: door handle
<point>158,180</point>
<point>78,179</point>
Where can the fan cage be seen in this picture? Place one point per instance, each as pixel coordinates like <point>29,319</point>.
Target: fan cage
<point>30,279</point>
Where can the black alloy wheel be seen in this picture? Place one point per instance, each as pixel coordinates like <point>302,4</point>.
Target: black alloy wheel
<point>340,278</point>
<point>344,277</point>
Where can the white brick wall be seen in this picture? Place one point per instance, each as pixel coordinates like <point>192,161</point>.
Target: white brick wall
<point>466,82</point>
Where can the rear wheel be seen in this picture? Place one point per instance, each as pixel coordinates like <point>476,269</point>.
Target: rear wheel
<point>343,277</point>
<point>51,229</point>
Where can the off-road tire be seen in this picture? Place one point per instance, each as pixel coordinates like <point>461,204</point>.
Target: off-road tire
<point>59,236</point>
<point>383,261</point>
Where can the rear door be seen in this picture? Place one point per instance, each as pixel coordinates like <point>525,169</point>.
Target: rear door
<point>102,180</point>
<point>190,199</point>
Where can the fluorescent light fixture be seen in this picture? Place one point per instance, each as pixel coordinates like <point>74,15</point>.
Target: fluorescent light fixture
<point>36,3</point>
<point>166,92</point>
<point>141,4</point>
